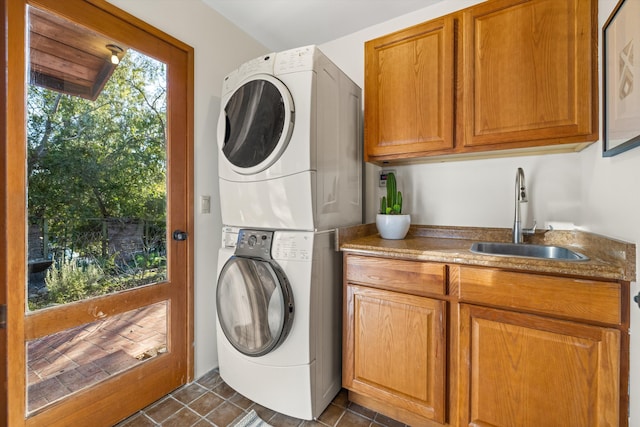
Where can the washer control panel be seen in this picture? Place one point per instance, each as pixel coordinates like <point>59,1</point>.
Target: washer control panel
<point>292,245</point>
<point>254,243</point>
<point>229,236</point>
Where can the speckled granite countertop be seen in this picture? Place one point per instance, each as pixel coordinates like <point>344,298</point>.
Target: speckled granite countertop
<point>608,258</point>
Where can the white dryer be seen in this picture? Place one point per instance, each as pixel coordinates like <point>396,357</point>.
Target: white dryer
<point>278,301</point>
<point>290,144</point>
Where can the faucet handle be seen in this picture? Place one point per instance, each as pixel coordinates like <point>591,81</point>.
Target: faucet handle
<point>532,230</point>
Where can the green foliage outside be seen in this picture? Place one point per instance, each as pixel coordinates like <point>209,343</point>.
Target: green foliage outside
<point>90,162</point>
<point>70,280</point>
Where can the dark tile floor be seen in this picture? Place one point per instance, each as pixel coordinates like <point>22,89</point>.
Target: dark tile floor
<point>209,401</point>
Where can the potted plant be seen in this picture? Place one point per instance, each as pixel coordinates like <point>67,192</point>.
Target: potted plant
<point>391,222</point>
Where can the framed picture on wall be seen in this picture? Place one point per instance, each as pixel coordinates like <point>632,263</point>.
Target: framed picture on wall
<point>621,79</point>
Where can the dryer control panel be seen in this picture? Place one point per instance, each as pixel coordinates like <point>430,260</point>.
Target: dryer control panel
<point>294,60</point>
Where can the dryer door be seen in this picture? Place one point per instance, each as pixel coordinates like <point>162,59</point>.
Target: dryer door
<point>255,124</point>
<point>255,305</point>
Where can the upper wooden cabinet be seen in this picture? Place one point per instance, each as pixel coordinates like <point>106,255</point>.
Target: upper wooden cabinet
<point>501,75</point>
<point>529,72</point>
<point>409,85</point>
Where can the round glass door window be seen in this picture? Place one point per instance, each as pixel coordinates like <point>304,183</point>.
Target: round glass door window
<point>256,124</point>
<point>255,305</point>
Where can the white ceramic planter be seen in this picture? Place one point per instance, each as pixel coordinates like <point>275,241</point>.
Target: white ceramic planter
<point>393,227</point>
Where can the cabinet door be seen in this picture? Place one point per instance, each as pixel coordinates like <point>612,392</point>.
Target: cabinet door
<point>409,90</point>
<point>526,370</point>
<point>530,75</point>
<point>394,349</point>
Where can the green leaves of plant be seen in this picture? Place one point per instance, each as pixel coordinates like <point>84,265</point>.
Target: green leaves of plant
<point>391,204</point>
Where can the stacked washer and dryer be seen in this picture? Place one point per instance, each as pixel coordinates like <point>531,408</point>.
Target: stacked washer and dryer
<point>290,173</point>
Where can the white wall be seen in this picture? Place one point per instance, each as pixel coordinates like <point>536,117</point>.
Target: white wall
<point>597,194</point>
<point>611,206</point>
<point>219,48</point>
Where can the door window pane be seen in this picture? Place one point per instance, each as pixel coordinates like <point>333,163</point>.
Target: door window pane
<point>68,361</point>
<point>96,164</point>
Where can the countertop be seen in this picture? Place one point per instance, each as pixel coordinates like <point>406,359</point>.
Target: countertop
<point>608,258</point>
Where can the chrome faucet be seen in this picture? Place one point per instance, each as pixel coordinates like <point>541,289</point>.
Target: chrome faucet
<point>521,197</point>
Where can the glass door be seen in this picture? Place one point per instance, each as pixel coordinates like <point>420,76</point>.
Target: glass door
<point>106,290</point>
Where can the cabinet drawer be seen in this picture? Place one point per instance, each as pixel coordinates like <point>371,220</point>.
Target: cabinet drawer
<point>412,277</point>
<point>589,300</point>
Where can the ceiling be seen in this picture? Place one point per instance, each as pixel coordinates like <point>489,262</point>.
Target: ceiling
<point>285,24</point>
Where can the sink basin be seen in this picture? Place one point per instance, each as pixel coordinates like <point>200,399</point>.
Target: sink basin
<point>529,251</point>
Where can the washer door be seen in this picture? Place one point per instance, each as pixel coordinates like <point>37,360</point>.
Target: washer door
<point>256,123</point>
<point>255,305</point>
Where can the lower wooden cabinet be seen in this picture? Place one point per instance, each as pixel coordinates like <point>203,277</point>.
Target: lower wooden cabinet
<point>526,370</point>
<point>395,350</point>
<point>433,344</point>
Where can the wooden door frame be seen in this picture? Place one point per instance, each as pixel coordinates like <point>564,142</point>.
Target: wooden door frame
<point>12,217</point>
<point>3,206</point>
<point>14,151</point>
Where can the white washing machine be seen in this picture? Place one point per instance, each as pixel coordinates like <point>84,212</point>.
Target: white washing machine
<point>279,309</point>
<point>290,144</point>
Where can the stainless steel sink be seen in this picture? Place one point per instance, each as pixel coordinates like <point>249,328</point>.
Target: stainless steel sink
<point>529,251</point>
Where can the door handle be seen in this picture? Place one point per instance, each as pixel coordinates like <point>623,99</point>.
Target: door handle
<point>180,235</point>
<point>637,299</point>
